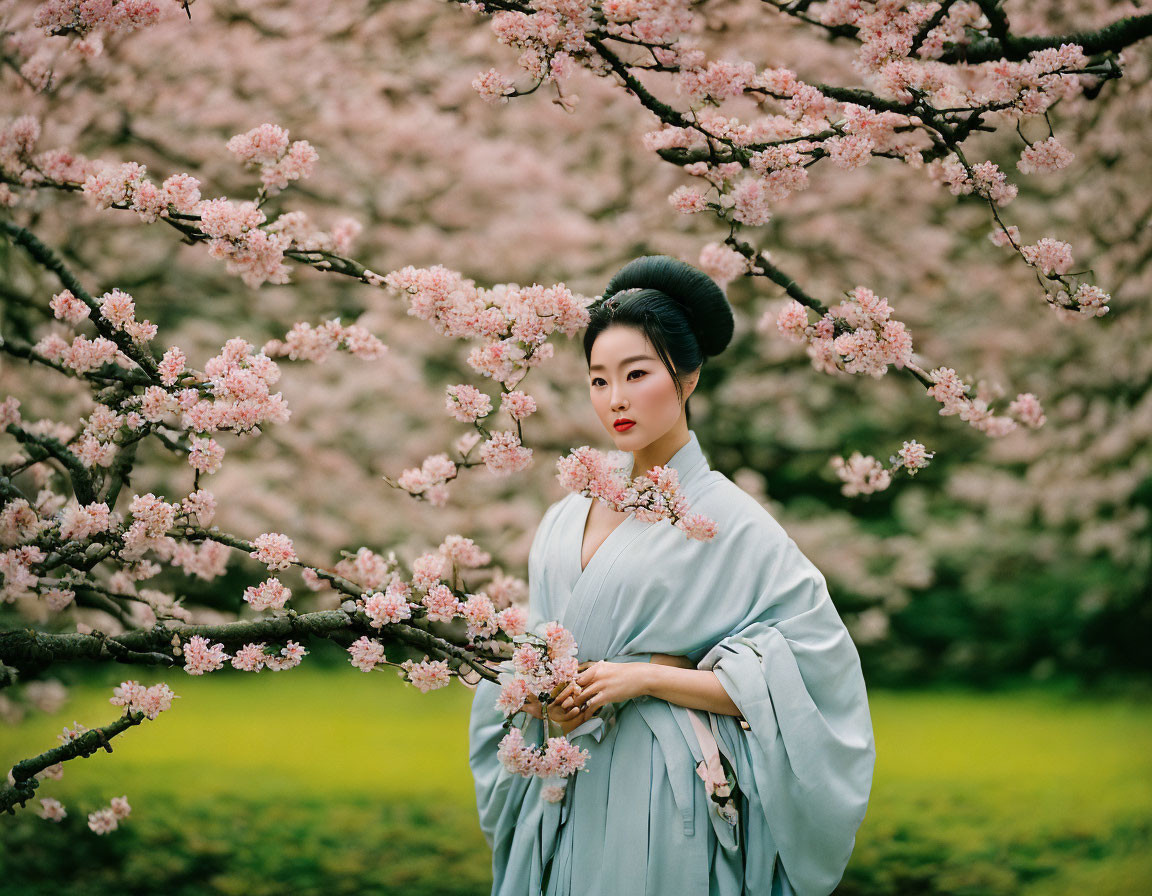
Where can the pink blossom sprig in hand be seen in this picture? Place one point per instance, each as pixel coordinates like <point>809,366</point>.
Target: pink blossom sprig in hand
<point>541,666</point>
<point>653,496</point>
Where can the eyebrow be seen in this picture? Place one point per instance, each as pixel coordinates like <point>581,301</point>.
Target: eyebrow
<point>625,361</point>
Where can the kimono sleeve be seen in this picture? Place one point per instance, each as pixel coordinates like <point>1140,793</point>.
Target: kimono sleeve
<point>499,793</point>
<point>795,675</point>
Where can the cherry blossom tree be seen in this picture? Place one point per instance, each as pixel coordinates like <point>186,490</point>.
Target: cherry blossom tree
<point>147,157</point>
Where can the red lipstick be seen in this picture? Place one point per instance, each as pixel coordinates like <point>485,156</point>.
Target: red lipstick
<point>624,424</point>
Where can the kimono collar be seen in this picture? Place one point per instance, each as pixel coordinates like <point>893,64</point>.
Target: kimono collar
<point>688,461</point>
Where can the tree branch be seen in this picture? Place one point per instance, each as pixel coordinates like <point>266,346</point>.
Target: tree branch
<point>24,772</point>
<point>1109,39</point>
<point>48,259</point>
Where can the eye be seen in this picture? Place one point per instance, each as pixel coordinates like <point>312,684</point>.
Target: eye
<point>641,372</point>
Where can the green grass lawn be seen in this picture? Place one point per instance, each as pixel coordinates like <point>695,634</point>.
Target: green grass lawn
<point>335,781</point>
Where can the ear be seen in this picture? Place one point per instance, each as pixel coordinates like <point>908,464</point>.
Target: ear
<point>689,383</point>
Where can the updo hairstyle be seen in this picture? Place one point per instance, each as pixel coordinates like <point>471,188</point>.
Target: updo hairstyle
<point>681,310</point>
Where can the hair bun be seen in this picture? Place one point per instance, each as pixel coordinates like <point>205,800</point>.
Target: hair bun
<point>707,307</point>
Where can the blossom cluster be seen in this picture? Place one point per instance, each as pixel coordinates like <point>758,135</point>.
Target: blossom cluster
<point>554,35</point>
<point>152,519</point>
<point>107,819</point>
<point>134,697</point>
<point>952,392</point>
<point>542,663</point>
<point>753,164</point>
<point>391,599</point>
<point>512,322</point>
<point>559,758</point>
<point>237,232</point>
<point>868,342</point>
<point>862,474</point>
<point>654,495</point>
<point>77,17</point>
<point>231,393</point>
<point>200,656</point>
<point>266,147</point>
<point>427,675</point>
<point>985,180</point>
<point>317,344</point>
<point>1053,258</point>
<point>429,481</point>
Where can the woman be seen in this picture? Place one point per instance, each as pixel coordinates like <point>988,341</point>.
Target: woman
<point>690,650</point>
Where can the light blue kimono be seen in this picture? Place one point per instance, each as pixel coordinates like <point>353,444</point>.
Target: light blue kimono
<point>751,607</point>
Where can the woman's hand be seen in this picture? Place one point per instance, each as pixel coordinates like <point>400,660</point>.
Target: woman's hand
<point>601,683</point>
<point>567,719</point>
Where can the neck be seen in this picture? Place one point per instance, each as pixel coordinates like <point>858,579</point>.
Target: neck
<point>659,452</point>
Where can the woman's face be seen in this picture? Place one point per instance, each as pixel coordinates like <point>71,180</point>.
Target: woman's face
<point>627,380</point>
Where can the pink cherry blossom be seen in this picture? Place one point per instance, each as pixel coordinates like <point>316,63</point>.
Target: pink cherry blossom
<point>9,411</point>
<point>428,569</point>
<point>58,598</point>
<point>200,657</point>
<point>513,620</point>
<point>250,657</point>
<point>1026,407</point>
<point>722,263</point>
<point>467,403</point>
<point>1051,256</point>
<point>513,695</point>
<point>493,87</point>
<point>463,552</point>
<point>291,655</point>
<point>503,454</point>
<point>275,550</point>
<point>135,697</point>
<point>102,821</point>
<point>154,514</point>
<point>171,366</point>
<point>200,506</point>
<point>52,809</point>
<point>262,145</point>
<point>913,456</point>
<point>206,455</point>
<point>366,654</point>
<point>441,603</point>
<point>519,405</point>
<point>688,200</point>
<point>861,474</point>
<point>389,607</point>
<point>68,308</point>
<point>1044,156</point>
<point>427,675</point>
<point>269,594</point>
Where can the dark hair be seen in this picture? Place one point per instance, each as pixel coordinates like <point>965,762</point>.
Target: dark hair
<point>679,309</point>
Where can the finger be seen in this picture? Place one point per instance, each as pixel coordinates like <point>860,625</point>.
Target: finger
<point>595,703</point>
<point>558,715</point>
<point>587,673</point>
<point>587,693</point>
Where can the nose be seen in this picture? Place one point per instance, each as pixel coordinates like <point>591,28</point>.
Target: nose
<point>619,403</point>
